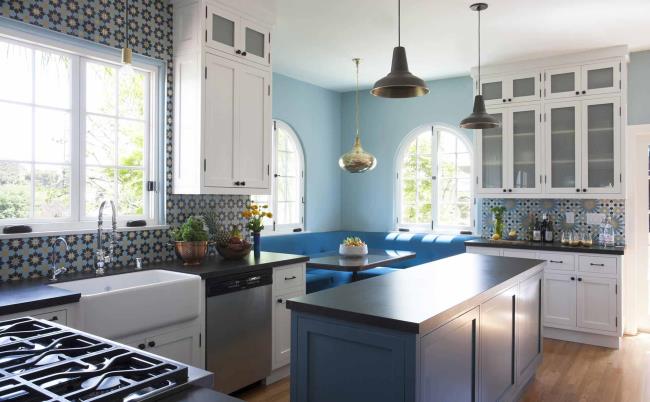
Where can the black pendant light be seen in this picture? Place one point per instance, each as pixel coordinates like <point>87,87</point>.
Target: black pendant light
<point>479,118</point>
<point>399,83</point>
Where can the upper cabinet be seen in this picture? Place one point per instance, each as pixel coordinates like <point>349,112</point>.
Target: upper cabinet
<point>222,101</point>
<point>512,88</point>
<point>237,36</point>
<point>563,125</point>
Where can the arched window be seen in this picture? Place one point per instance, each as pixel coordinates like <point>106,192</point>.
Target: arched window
<point>434,188</point>
<point>287,191</point>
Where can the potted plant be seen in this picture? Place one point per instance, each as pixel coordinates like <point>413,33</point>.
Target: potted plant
<point>353,247</point>
<point>191,241</point>
<point>498,221</point>
<point>255,214</point>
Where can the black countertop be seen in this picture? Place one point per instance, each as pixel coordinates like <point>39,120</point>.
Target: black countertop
<point>31,294</point>
<point>420,298</point>
<point>199,394</point>
<point>555,246</point>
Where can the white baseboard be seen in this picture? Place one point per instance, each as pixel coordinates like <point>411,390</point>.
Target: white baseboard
<point>613,342</point>
<point>278,374</point>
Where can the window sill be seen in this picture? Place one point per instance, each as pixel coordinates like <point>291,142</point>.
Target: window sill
<point>46,233</point>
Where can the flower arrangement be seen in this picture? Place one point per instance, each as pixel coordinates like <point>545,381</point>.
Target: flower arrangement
<point>255,215</point>
<point>353,247</point>
<point>353,242</point>
<point>498,221</point>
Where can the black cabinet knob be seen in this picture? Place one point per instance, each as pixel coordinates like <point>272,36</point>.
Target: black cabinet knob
<point>243,183</point>
<point>509,99</point>
<point>504,190</point>
<point>577,190</point>
<point>55,318</point>
<point>579,279</point>
<point>244,53</point>
<point>238,51</point>
<point>151,344</point>
<point>510,190</point>
<point>237,183</point>
<point>584,190</point>
<point>504,101</point>
<point>280,301</point>
<point>141,346</point>
<point>584,92</point>
<point>577,92</point>
<point>573,278</point>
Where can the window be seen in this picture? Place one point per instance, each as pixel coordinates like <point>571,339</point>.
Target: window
<point>287,191</point>
<point>434,190</point>
<point>75,130</point>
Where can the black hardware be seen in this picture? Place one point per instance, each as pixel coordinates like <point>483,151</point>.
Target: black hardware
<point>280,301</point>
<point>205,164</point>
<point>141,346</point>
<point>16,229</point>
<point>584,190</point>
<point>579,279</point>
<point>151,344</point>
<point>557,262</point>
<point>510,190</point>
<point>136,223</point>
<point>596,265</point>
<point>509,99</point>
<point>243,183</point>
<point>243,53</point>
<point>151,186</point>
<point>55,318</point>
<point>573,278</point>
<point>238,51</point>
<point>289,278</point>
<point>237,183</point>
<point>297,230</point>
<point>403,230</point>
<point>577,92</point>
<point>577,190</point>
<point>584,92</point>
<point>504,101</point>
<point>504,190</point>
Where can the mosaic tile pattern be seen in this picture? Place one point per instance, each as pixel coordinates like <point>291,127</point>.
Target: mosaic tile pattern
<point>519,213</point>
<point>103,21</point>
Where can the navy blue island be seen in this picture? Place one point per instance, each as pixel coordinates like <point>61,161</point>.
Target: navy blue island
<point>463,328</point>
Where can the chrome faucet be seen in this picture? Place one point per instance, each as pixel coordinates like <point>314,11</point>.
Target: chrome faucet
<point>103,257</point>
<point>55,258</point>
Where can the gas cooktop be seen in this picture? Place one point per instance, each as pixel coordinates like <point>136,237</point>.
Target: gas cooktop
<point>42,361</point>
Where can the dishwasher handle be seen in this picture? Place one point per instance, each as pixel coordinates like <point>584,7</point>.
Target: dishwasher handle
<point>218,287</point>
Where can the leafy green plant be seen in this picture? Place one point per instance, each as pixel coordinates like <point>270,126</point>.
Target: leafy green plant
<point>192,230</point>
<point>498,218</point>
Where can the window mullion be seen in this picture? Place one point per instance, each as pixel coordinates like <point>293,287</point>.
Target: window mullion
<point>78,145</point>
<point>434,172</point>
<point>33,164</point>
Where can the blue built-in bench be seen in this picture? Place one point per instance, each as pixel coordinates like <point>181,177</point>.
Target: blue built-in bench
<point>427,247</point>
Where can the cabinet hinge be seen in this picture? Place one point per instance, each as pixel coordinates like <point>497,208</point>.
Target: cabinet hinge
<point>205,164</point>
<point>151,186</point>
<point>206,11</point>
<point>544,179</point>
<point>616,289</point>
<point>206,35</point>
<point>620,111</point>
<point>269,89</point>
<point>206,72</point>
<point>275,125</point>
<point>268,170</point>
<point>620,177</point>
<point>616,322</point>
<point>269,37</point>
<point>269,57</point>
<point>540,117</point>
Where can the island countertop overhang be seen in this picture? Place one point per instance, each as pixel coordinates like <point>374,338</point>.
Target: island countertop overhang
<point>421,298</point>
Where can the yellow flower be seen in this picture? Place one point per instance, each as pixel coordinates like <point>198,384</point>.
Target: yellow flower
<point>270,215</point>
<point>254,206</point>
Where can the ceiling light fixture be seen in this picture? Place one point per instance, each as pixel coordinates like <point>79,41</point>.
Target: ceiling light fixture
<point>399,83</point>
<point>127,53</point>
<point>357,160</point>
<point>479,118</point>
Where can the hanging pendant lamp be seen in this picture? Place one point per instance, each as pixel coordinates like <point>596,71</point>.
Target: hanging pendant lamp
<point>357,160</point>
<point>127,53</point>
<point>399,83</point>
<point>479,118</point>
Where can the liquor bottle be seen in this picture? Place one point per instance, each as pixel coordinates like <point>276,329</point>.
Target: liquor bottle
<point>543,228</point>
<point>537,230</point>
<point>548,233</point>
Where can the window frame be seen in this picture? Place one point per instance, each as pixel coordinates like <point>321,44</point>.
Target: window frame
<point>80,51</point>
<point>431,227</point>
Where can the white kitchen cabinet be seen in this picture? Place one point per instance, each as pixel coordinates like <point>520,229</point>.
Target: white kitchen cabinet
<point>485,250</point>
<point>559,299</point>
<point>511,88</point>
<point>519,253</point>
<point>63,315</point>
<point>182,344</point>
<point>563,147</point>
<point>597,303</point>
<point>603,77</point>
<point>222,104</point>
<point>509,156</point>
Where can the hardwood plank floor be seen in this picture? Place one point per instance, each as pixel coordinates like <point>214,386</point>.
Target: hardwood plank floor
<point>569,372</point>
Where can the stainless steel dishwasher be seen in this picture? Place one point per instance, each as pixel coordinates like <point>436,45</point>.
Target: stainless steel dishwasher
<point>238,329</point>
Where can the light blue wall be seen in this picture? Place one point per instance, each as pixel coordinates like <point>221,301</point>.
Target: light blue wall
<point>367,199</point>
<point>638,108</point>
<point>315,115</point>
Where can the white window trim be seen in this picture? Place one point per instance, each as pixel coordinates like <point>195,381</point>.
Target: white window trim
<point>432,227</point>
<point>76,48</point>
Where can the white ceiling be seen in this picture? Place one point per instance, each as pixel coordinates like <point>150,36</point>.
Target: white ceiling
<point>315,40</point>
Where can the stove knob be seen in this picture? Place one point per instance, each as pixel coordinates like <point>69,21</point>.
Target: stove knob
<point>151,344</point>
<point>141,346</point>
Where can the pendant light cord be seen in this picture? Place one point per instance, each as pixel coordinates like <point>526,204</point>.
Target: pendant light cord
<point>479,51</point>
<point>126,23</point>
<point>356,98</point>
<point>399,23</point>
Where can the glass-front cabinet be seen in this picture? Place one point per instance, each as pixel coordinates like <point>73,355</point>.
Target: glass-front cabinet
<point>563,147</point>
<point>511,88</point>
<point>510,155</point>
<point>582,80</point>
<point>237,36</point>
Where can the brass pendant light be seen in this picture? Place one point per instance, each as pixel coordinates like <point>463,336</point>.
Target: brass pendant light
<point>399,83</point>
<point>127,53</point>
<point>357,160</point>
<point>479,119</point>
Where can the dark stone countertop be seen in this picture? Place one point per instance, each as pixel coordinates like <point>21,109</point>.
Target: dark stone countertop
<point>420,298</point>
<point>555,246</point>
<point>195,393</point>
<point>31,294</point>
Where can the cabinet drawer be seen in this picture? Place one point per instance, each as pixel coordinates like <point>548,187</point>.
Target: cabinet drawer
<point>288,277</point>
<point>58,316</point>
<point>597,264</point>
<point>519,254</point>
<point>558,261</point>
<point>484,250</point>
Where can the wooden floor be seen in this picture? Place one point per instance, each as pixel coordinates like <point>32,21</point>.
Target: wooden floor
<point>569,372</point>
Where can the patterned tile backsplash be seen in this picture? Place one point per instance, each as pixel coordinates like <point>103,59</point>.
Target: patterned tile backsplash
<point>519,212</point>
<point>103,21</point>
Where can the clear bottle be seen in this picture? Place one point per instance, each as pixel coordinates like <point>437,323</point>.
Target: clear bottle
<point>609,233</point>
<point>537,230</point>
<point>601,233</point>
<point>548,232</point>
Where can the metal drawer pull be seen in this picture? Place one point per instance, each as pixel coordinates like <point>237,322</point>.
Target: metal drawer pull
<point>596,265</point>
<point>557,262</point>
<point>289,278</point>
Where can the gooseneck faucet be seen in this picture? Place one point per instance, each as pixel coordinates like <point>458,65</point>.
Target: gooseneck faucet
<point>103,257</point>
<point>55,258</point>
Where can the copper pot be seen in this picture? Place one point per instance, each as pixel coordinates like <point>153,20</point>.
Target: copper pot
<point>191,252</point>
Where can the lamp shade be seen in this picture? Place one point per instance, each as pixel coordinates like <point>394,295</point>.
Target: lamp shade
<point>399,83</point>
<point>357,160</point>
<point>479,118</point>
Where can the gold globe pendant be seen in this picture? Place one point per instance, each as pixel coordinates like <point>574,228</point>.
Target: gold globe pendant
<point>357,160</point>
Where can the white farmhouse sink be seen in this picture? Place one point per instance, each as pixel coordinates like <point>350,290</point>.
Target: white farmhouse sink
<point>117,306</point>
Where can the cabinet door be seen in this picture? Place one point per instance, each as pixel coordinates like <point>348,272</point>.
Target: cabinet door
<point>256,42</point>
<point>559,300</point>
<point>253,139</point>
<point>525,87</point>
<point>497,346</point>
<point>529,327</point>
<point>220,121</point>
<point>601,146</point>
<point>448,361</point>
<point>562,82</point>
<point>181,345</point>
<point>524,149</point>
<point>601,78</point>
<point>222,30</point>
<point>494,91</point>
<point>597,303</point>
<point>282,329</point>
<point>492,146</point>
<point>563,147</point>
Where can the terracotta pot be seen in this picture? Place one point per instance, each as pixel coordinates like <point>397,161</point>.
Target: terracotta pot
<point>191,252</point>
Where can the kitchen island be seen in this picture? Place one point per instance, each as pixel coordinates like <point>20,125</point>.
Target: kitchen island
<point>464,328</point>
